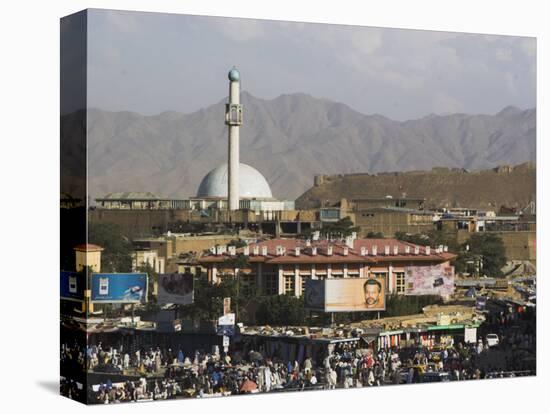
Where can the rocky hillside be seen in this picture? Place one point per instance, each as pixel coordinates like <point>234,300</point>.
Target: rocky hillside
<point>508,186</point>
<point>290,139</point>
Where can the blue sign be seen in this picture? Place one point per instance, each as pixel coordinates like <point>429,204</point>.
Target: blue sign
<point>72,285</point>
<point>119,287</point>
<point>481,303</point>
<point>225,330</point>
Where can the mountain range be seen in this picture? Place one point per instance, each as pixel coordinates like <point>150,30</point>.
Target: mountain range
<point>290,139</point>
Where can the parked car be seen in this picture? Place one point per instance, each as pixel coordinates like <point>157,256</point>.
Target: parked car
<point>492,339</point>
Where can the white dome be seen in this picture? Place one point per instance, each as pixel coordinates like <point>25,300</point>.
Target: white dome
<point>252,183</point>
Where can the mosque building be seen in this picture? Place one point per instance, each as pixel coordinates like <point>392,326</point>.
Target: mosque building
<point>230,186</point>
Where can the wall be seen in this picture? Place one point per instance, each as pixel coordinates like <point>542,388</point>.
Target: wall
<point>388,222</point>
<point>518,245</point>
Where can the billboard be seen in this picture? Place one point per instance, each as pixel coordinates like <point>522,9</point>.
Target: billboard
<point>429,280</point>
<point>226,325</point>
<point>346,295</point>
<point>481,303</point>
<point>72,285</point>
<point>119,287</point>
<point>175,288</point>
<point>470,335</point>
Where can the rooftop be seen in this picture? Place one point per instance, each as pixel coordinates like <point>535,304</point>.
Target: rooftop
<point>283,250</point>
<point>130,196</point>
<point>88,247</point>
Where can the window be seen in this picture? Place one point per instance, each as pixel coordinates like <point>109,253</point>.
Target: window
<point>271,284</point>
<point>330,214</point>
<point>320,270</point>
<point>353,270</point>
<point>400,282</point>
<point>247,283</point>
<point>289,284</point>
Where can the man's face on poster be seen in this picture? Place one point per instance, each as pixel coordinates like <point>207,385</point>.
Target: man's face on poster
<point>372,290</point>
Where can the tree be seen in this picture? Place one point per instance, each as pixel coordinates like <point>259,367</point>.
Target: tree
<point>399,305</point>
<point>240,261</point>
<point>243,293</point>
<point>152,280</point>
<point>280,310</point>
<point>238,243</point>
<point>431,238</point>
<point>375,235</point>
<point>490,249</point>
<point>208,298</point>
<point>342,228</point>
<point>116,256</point>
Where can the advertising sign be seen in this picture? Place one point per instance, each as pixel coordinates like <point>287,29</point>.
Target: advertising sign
<point>429,280</point>
<point>72,285</point>
<point>346,295</point>
<point>175,288</point>
<point>470,335</point>
<point>481,303</point>
<point>119,287</point>
<point>226,325</point>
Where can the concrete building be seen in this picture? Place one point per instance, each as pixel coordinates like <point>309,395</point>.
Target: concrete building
<point>88,255</point>
<point>281,266</point>
<point>518,233</point>
<point>390,220</point>
<point>384,215</point>
<point>143,256</point>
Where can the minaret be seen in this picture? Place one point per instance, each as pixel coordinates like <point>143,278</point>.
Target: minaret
<point>233,119</point>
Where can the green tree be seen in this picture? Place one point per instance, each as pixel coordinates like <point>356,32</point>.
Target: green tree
<point>431,238</point>
<point>116,256</point>
<point>280,310</point>
<point>399,305</point>
<point>152,281</point>
<point>343,228</point>
<point>240,261</point>
<point>208,297</point>
<point>375,235</point>
<point>489,248</point>
<point>238,243</point>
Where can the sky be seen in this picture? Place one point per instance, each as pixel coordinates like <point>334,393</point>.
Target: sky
<point>154,62</point>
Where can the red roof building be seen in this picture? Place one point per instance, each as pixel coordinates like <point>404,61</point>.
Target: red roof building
<point>281,266</point>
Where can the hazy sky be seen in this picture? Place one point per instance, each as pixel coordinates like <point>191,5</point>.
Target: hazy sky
<point>150,63</point>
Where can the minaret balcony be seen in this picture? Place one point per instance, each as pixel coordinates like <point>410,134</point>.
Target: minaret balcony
<point>233,114</point>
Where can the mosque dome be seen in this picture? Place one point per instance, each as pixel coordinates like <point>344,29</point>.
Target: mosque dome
<point>252,183</point>
<point>234,75</point>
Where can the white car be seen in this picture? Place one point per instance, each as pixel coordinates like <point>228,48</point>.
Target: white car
<point>492,339</point>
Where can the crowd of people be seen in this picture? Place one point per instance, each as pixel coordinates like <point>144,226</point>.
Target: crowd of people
<point>166,374</point>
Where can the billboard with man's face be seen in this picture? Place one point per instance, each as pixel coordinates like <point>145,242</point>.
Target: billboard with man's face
<point>346,295</point>
<point>119,287</point>
<point>175,288</point>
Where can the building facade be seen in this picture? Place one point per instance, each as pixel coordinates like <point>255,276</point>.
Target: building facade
<point>281,266</point>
